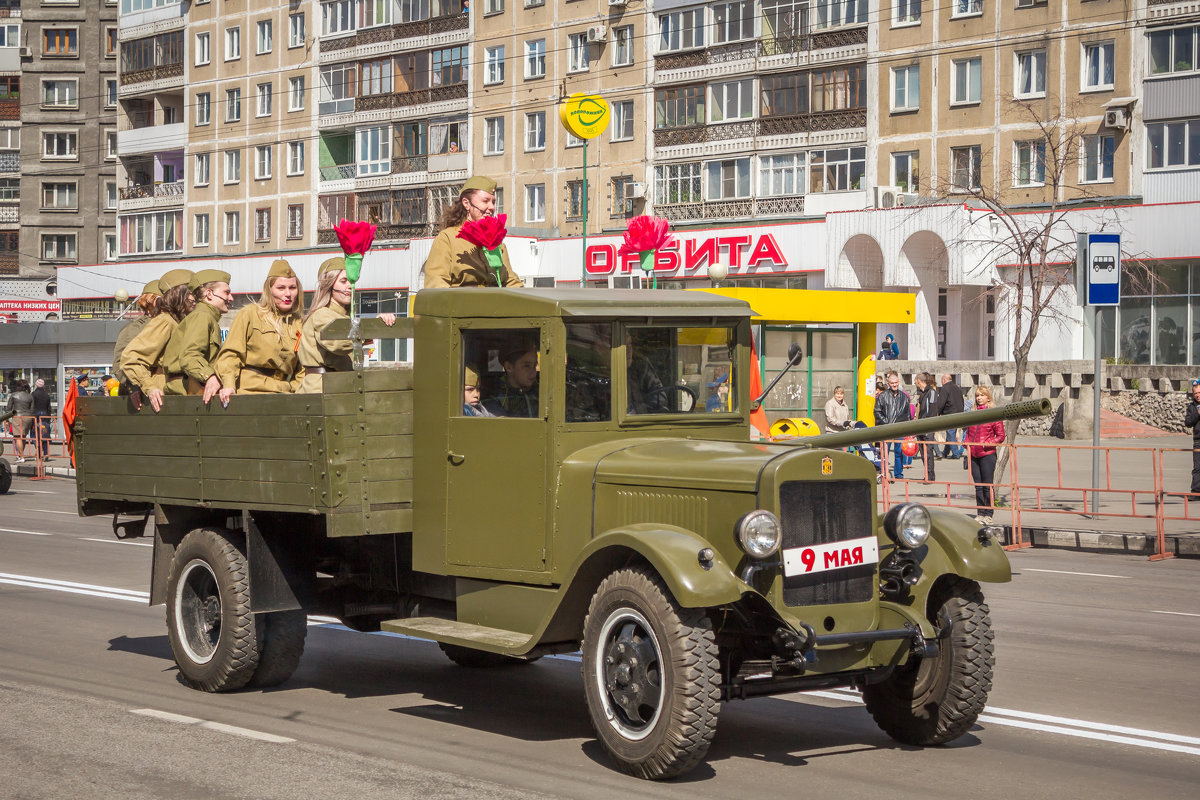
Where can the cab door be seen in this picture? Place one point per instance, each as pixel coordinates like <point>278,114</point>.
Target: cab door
<point>497,465</point>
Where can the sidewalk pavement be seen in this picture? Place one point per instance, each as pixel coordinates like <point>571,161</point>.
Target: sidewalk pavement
<point>1128,467</point>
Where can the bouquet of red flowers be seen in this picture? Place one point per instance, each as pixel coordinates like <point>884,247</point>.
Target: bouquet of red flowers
<point>488,234</point>
<point>644,236</point>
<point>356,239</point>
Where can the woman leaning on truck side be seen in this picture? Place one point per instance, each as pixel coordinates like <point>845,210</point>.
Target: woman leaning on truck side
<point>331,302</point>
<point>455,262</point>
<point>259,354</point>
<point>142,359</point>
<point>148,303</point>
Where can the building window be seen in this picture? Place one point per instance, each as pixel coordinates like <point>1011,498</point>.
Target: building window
<point>728,179</point>
<point>967,80</point>
<point>835,13</point>
<point>143,234</point>
<point>448,137</point>
<point>622,120</point>
<point>233,166</point>
<point>374,150</point>
<point>60,145</point>
<point>264,37</point>
<point>493,65</point>
<point>295,158</point>
<point>733,22</point>
<point>262,161</point>
<point>1172,144</point>
<point>200,230</point>
<point>203,109</point>
<point>535,131</point>
<point>679,107</point>
<point>574,199</point>
<point>906,88</point>
<point>577,52</point>
<point>907,12</point>
<point>203,49</point>
<point>964,168</point>
<point>493,136</point>
<point>906,171</point>
<point>499,195</point>
<point>375,77</point>
<point>731,101</point>
<point>262,224</point>
<point>622,48</point>
<point>296,93</point>
<point>110,93</point>
<point>1172,50</point>
<point>263,108</point>
<point>233,105</point>
<point>110,145</point>
<point>60,42</point>
<point>110,195</point>
<point>202,176</point>
<point>965,8</point>
<point>1029,163</point>
<point>111,41</point>
<point>681,30</point>
<point>60,196</point>
<point>837,169</point>
<point>233,43</point>
<point>338,88</point>
<point>1030,74</point>
<point>781,175</point>
<point>60,94</point>
<point>622,196</point>
<point>58,247</point>
<point>297,31</point>
<point>535,59</point>
<point>110,247</point>
<point>677,183</point>
<point>1098,68</point>
<point>838,88</point>
<point>233,227</point>
<point>295,221</point>
<point>784,95</point>
<point>535,202</point>
<point>337,16</point>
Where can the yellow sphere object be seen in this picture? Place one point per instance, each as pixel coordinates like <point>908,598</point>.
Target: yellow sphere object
<point>794,426</point>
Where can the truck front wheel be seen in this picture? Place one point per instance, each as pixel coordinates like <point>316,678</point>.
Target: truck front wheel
<point>929,701</point>
<point>651,676</point>
<point>213,635</point>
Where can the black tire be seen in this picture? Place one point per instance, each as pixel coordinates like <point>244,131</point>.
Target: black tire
<point>213,635</point>
<point>283,635</point>
<point>930,701</point>
<point>5,477</point>
<point>481,659</point>
<point>651,676</point>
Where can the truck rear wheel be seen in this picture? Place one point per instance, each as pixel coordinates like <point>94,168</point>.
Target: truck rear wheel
<point>213,635</point>
<point>283,635</point>
<point>651,676</point>
<point>930,701</point>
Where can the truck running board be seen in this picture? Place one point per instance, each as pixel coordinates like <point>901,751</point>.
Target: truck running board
<point>464,634</point>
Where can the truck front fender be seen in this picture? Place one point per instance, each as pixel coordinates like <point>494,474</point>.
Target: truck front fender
<point>674,554</point>
<point>956,546</point>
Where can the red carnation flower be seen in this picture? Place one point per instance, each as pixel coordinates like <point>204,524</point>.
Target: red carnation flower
<point>487,232</point>
<point>355,237</point>
<point>646,233</point>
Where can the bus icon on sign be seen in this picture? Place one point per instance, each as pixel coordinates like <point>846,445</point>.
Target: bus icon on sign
<point>1107,263</point>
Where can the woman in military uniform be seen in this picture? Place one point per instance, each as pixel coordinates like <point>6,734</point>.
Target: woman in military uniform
<point>142,359</point>
<point>457,262</point>
<point>188,359</point>
<point>259,354</point>
<point>331,302</point>
<point>148,303</point>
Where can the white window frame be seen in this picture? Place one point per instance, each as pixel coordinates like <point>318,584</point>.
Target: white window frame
<point>262,224</point>
<point>203,170</point>
<point>232,228</point>
<point>203,109</point>
<point>622,46</point>
<point>110,92</point>
<point>681,30</point>
<point>732,21</point>
<point>232,171</point>
<point>373,149</point>
<point>295,221</point>
<point>579,57</point>
<point>110,247</point>
<point>264,154</point>
<point>535,202</point>
<point>1036,160</point>
<point>904,98</point>
<point>906,13</point>
<point>777,170</point>
<point>910,156</point>
<point>1029,67</point>
<point>295,158</point>
<point>742,178</point>
<point>297,30</point>
<point>742,94</point>
<point>493,7</point>
<point>493,136</point>
<point>70,141</point>
<point>965,8</point>
<point>110,145</point>
<point>233,43</point>
<point>1105,53</point>
<point>956,69</point>
<point>68,191</point>
<point>1167,131</point>
<point>264,37</point>
<point>233,104</point>
<point>111,196</point>
<point>71,87</point>
<point>974,167</point>
<point>493,65</point>
<point>68,242</point>
<point>535,59</point>
<point>622,117</point>
<point>203,49</point>
<point>296,93</point>
<point>535,131</point>
<point>263,93</point>
<point>201,230</point>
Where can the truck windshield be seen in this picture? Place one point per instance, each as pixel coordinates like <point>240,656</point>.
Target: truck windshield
<point>673,369</point>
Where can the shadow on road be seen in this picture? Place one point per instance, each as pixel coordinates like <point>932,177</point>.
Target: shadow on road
<point>153,646</point>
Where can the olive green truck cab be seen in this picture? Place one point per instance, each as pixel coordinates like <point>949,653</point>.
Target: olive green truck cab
<point>609,500</point>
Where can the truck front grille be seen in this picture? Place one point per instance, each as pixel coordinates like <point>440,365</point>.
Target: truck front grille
<point>820,512</point>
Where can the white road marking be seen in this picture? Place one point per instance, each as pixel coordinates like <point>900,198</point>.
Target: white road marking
<point>52,511</point>
<point>210,725</point>
<point>27,533</point>
<point>1066,572</point>
<point>75,588</point>
<point>1177,613</point>
<point>116,541</point>
<point>30,491</point>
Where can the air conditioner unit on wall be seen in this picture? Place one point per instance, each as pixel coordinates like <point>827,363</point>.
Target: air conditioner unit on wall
<point>25,52</point>
<point>616,3</point>
<point>887,196</point>
<point>637,191</point>
<point>1116,118</point>
<point>597,33</point>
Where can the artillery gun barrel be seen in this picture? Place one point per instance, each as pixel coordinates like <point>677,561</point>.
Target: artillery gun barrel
<point>898,430</point>
<point>6,417</point>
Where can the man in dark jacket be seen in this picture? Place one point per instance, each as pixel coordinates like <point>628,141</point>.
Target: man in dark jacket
<point>893,405</point>
<point>1191,419</point>
<point>927,406</point>
<point>950,401</point>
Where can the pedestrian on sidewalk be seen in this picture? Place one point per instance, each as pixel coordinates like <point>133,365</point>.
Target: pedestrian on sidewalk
<point>42,416</point>
<point>950,401</point>
<point>926,408</point>
<point>1191,419</point>
<point>983,439</point>
<point>893,405</point>
<point>21,401</point>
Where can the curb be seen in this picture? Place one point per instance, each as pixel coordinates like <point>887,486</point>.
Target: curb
<point>1135,544</point>
<point>29,470</point>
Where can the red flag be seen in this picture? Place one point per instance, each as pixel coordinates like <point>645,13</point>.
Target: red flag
<point>758,419</point>
<point>68,416</point>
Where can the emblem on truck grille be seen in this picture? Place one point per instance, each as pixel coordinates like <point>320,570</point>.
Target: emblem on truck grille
<point>826,466</point>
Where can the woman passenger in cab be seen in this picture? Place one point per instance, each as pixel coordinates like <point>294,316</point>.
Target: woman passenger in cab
<point>259,354</point>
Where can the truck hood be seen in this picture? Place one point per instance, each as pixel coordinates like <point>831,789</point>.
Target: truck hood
<point>699,464</point>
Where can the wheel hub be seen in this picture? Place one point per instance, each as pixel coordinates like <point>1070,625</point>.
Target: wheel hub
<point>631,675</point>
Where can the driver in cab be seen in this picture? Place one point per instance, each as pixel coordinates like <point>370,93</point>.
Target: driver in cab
<point>646,392</point>
<point>518,397</point>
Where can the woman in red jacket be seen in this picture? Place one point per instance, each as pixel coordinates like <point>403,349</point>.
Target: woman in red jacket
<point>983,440</point>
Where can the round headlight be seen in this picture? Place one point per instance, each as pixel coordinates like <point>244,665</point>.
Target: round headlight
<point>908,525</point>
<point>759,533</point>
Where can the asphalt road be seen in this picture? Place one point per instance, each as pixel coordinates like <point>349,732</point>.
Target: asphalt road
<point>1096,696</point>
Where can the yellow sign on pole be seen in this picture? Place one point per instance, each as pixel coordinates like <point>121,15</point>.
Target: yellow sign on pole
<point>585,115</point>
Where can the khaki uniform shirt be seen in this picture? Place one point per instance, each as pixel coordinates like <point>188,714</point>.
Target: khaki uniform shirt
<point>127,334</point>
<point>257,356</point>
<point>457,262</point>
<point>189,355</point>
<point>142,359</point>
<point>333,355</point>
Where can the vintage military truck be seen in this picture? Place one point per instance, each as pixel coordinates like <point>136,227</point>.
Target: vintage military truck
<point>612,509</point>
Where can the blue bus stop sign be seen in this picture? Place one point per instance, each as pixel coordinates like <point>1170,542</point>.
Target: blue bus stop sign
<point>1103,269</point>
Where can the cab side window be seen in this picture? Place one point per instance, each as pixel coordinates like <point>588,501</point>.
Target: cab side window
<point>500,373</point>
<point>589,365</point>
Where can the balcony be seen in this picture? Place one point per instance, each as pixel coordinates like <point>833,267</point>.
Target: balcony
<point>767,126</point>
<point>151,139</point>
<point>10,161</point>
<point>339,172</point>
<point>163,73</point>
<point>776,51</point>
<point>721,54</point>
<point>10,214</point>
<point>371,38</point>
<point>749,208</point>
<point>10,110</point>
<point>138,191</point>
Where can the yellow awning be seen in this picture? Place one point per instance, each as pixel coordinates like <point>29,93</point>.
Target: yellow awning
<point>796,306</point>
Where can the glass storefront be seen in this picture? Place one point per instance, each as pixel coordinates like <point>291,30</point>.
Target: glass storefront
<point>829,361</point>
<point>1158,321</point>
